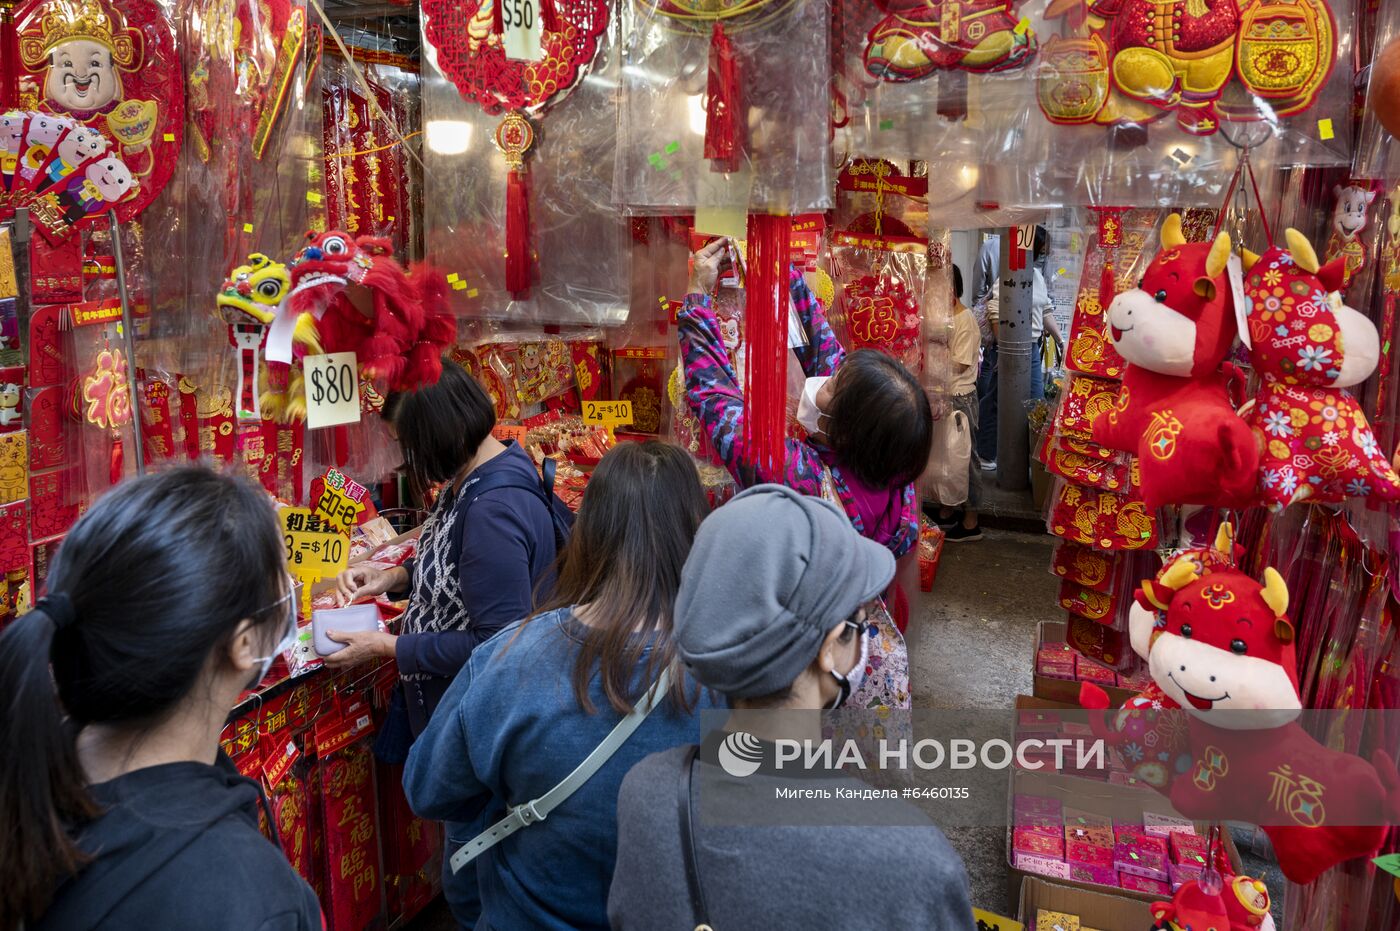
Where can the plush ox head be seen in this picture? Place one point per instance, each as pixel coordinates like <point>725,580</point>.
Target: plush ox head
<point>1223,643</point>
<point>1178,321</point>
<point>1302,333</point>
<point>1142,614</point>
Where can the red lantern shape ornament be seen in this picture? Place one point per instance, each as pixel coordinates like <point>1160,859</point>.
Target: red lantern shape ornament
<point>112,66</point>
<point>466,39</point>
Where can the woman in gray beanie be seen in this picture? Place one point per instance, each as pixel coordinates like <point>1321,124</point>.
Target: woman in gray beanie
<point>783,633</point>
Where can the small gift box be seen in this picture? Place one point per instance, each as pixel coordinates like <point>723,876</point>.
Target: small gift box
<point>1141,860</point>
<point>1143,884</point>
<point>1033,841</point>
<point>1046,920</point>
<point>1188,848</point>
<point>1182,873</point>
<point>1090,671</point>
<point>1043,866</point>
<point>1163,825</point>
<point>1056,667</point>
<point>1098,874</point>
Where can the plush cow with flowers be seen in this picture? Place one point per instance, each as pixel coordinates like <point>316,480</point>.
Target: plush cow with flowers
<point>1315,443</point>
<point>1174,410</point>
<point>1221,649</point>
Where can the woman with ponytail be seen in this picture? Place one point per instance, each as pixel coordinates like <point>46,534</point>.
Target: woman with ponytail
<point>166,600</point>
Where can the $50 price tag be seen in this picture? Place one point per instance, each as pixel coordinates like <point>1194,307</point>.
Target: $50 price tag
<point>332,390</point>
<point>522,29</point>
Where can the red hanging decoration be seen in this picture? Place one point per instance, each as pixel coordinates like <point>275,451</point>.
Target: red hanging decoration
<point>725,132</point>
<point>1108,289</point>
<point>9,57</point>
<point>514,137</point>
<point>766,309</point>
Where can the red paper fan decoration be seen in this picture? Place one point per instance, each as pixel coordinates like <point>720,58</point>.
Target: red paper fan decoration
<point>135,94</point>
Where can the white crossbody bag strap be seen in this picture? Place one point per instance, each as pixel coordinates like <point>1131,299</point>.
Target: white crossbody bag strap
<point>538,809</point>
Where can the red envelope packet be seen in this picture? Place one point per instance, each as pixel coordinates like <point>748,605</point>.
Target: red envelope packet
<point>46,361</point>
<point>1102,519</point>
<point>1086,602</point>
<point>1092,471</point>
<point>1086,399</point>
<point>14,536</point>
<point>1090,351</point>
<point>1097,641</point>
<point>1084,566</point>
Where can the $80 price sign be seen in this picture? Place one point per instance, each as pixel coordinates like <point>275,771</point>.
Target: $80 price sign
<point>332,390</point>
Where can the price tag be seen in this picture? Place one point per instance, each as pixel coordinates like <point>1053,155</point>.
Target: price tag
<point>1390,863</point>
<point>313,549</point>
<point>332,390</point>
<point>1025,237</point>
<point>338,509</point>
<point>1236,273</point>
<point>522,30</point>
<point>510,431</point>
<point>609,414</point>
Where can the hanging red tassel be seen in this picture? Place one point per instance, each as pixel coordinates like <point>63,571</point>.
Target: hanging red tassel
<point>725,131</point>
<point>340,437</point>
<point>549,17</point>
<point>498,26</point>
<point>1108,287</point>
<point>514,137</point>
<point>766,323</point>
<point>114,470</point>
<point>517,234</point>
<point>9,57</point>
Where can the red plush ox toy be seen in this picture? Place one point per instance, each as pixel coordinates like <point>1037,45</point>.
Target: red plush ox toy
<point>1242,904</point>
<point>1222,649</point>
<point>1174,409</point>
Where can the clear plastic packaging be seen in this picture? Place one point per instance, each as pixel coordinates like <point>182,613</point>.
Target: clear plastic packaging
<point>576,240</point>
<point>778,99</point>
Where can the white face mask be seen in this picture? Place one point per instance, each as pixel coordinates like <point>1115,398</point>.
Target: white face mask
<point>851,682</point>
<point>808,414</point>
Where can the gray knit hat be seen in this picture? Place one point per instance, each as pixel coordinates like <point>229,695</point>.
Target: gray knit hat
<point>770,574</point>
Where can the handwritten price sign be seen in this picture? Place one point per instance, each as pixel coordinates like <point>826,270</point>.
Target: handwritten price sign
<point>522,29</point>
<point>608,414</point>
<point>332,390</point>
<point>341,501</point>
<point>314,549</point>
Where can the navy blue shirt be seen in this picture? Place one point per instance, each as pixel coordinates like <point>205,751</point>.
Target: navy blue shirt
<point>508,731</point>
<point>502,545</point>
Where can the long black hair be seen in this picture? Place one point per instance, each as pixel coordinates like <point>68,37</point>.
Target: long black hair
<point>441,426</point>
<point>624,558</point>
<point>145,587</point>
<point>881,425</point>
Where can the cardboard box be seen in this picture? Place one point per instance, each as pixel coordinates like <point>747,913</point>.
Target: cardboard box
<point>1066,690</point>
<point>1121,805</point>
<point>1094,909</point>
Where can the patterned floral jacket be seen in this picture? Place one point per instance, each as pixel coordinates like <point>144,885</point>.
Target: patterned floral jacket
<point>712,387</point>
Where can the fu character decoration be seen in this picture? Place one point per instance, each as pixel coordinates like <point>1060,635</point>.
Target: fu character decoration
<point>468,42</point>
<point>1220,648</point>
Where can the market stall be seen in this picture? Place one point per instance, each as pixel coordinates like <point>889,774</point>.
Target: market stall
<point>245,226</point>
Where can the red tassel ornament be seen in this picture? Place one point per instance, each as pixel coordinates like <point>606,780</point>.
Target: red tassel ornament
<point>765,323</point>
<point>1108,287</point>
<point>514,137</point>
<point>9,57</point>
<point>725,131</point>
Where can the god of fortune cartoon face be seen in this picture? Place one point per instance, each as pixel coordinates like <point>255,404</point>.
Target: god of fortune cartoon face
<point>83,48</point>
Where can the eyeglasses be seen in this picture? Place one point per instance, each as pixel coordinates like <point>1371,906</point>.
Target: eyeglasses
<point>859,622</point>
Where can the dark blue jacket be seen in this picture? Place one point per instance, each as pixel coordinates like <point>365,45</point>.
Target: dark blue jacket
<point>504,547</point>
